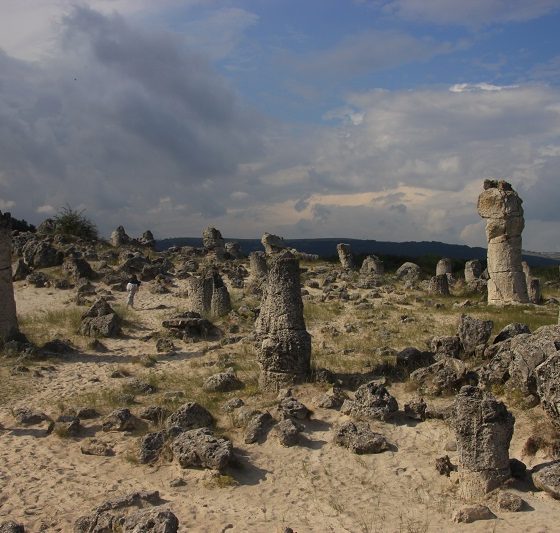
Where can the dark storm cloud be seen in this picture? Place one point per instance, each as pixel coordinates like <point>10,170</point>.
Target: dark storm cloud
<point>119,117</point>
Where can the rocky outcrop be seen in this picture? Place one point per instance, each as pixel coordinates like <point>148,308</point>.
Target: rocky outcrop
<point>439,285</point>
<point>8,316</point>
<point>285,345</point>
<point>483,429</point>
<point>272,243</point>
<point>409,272</point>
<point>208,295</point>
<point>547,477</point>
<point>473,270</point>
<point>372,265</point>
<point>213,242</point>
<point>443,377</point>
<point>200,448</point>
<point>345,256</point>
<point>100,320</point>
<point>473,333</point>
<point>233,248</point>
<point>119,237</point>
<point>548,385</point>
<point>371,402</point>
<point>501,207</point>
<point>147,239</point>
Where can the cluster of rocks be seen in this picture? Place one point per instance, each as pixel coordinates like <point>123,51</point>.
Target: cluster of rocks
<point>120,238</point>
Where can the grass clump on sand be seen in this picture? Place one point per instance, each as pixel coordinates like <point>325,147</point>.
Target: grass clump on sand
<point>45,325</point>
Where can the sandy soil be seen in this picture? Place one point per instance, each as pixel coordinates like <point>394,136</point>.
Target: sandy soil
<point>46,482</point>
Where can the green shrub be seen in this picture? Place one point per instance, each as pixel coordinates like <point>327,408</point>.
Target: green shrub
<point>72,222</point>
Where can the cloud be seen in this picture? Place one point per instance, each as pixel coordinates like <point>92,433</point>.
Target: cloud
<point>468,13</point>
<point>472,87</point>
<point>118,117</point>
<point>368,52</point>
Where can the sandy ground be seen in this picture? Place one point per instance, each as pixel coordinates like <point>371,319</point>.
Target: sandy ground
<point>46,482</point>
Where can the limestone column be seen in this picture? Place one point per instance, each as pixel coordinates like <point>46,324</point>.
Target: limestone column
<point>444,266</point>
<point>345,256</point>
<point>473,270</point>
<point>8,316</point>
<point>372,265</point>
<point>439,285</point>
<point>483,428</point>
<point>500,205</point>
<point>285,345</point>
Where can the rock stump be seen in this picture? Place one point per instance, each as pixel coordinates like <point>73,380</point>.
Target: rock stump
<point>483,428</point>
<point>501,206</point>
<point>285,345</point>
<point>8,316</point>
<point>345,256</point>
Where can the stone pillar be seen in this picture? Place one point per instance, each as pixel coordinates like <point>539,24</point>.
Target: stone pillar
<point>483,428</point>
<point>213,242</point>
<point>500,205</point>
<point>372,265</point>
<point>258,267</point>
<point>345,256</point>
<point>272,243</point>
<point>473,270</point>
<point>208,295</point>
<point>439,285</point>
<point>444,266</point>
<point>119,237</point>
<point>8,316</point>
<point>534,290</point>
<point>285,345</point>
<point>233,248</point>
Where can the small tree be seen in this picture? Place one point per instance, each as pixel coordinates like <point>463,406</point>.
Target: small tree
<point>70,221</point>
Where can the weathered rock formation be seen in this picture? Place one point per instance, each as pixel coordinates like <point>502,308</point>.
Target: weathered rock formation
<point>372,265</point>
<point>345,256</point>
<point>147,239</point>
<point>208,295</point>
<point>444,266</point>
<point>119,237</point>
<point>483,428</point>
<point>409,272</point>
<point>8,316</point>
<point>234,249</point>
<point>213,242</point>
<point>500,205</point>
<point>272,243</point>
<point>258,267</point>
<point>285,344</point>
<point>473,270</point>
<point>439,285</point>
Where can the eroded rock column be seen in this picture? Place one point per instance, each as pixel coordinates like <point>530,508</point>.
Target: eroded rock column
<point>473,270</point>
<point>500,205</point>
<point>8,316</point>
<point>483,428</point>
<point>372,265</point>
<point>208,295</point>
<point>345,256</point>
<point>444,266</point>
<point>285,345</point>
<point>213,242</point>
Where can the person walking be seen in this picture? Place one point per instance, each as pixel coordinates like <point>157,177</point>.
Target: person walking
<point>132,288</point>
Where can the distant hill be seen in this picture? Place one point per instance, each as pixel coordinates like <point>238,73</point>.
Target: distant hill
<point>326,248</point>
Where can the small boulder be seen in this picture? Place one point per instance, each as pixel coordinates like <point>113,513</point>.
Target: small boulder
<point>416,410</point>
<point>223,382</point>
<point>371,401</point>
<point>510,331</point>
<point>258,427</point>
<point>199,448</point>
<point>150,446</point>
<point>472,513</point>
<point>547,477</point>
<point>119,420</point>
<point>507,501</point>
<point>360,439</point>
<point>444,466</point>
<point>11,527</point>
<point>287,431</point>
<point>190,415</point>
<point>473,332</point>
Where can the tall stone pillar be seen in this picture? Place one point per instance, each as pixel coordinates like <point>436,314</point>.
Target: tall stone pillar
<point>8,316</point>
<point>208,295</point>
<point>483,428</point>
<point>213,242</point>
<point>345,256</point>
<point>500,205</point>
<point>285,345</point>
<point>473,270</point>
<point>444,266</point>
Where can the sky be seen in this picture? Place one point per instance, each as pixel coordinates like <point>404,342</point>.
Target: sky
<point>372,119</point>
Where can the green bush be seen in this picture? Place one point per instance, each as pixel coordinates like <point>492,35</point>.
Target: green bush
<point>72,222</point>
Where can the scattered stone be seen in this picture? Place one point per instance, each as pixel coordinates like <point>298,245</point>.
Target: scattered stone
<point>371,401</point>
<point>93,446</point>
<point>510,331</point>
<point>447,346</point>
<point>100,321</point>
<point>223,382</point>
<point>290,407</point>
<point>359,438</point>
<point>473,332</point>
<point>11,527</point>
<point>444,466</point>
<point>547,477</point>
<point>199,448</point>
<point>27,417</point>
<point>473,513</point>
<point>119,420</point>
<point>333,399</point>
<point>416,410</point>
<point>177,482</point>
<point>164,345</point>
<point>150,446</point>
<point>258,427</point>
<point>287,431</point>
<point>231,405</point>
<point>507,501</point>
<point>445,376</point>
<point>411,359</point>
<point>190,416</point>
<point>154,413</point>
